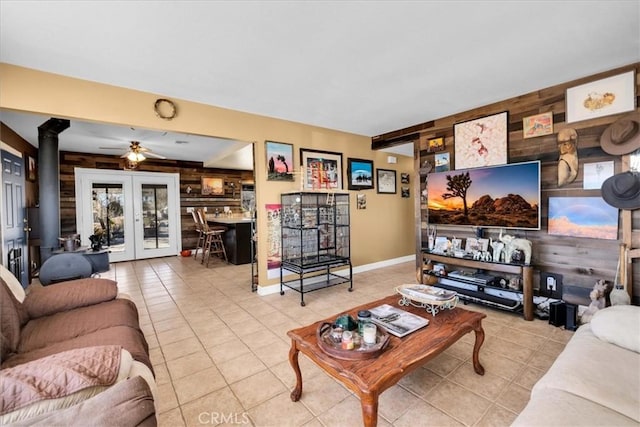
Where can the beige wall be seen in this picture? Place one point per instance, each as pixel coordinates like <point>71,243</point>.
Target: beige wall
<point>385,230</point>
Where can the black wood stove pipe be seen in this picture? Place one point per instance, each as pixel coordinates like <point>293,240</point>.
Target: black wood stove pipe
<point>49,185</point>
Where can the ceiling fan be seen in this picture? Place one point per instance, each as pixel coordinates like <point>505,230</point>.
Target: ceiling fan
<point>137,153</point>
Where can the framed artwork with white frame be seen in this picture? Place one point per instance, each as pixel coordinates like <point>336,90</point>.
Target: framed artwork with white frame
<point>481,142</point>
<point>604,97</point>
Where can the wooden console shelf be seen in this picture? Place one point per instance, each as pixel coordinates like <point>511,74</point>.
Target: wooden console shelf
<point>526,271</point>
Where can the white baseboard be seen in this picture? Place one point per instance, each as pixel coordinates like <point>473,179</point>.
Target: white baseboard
<point>275,273</point>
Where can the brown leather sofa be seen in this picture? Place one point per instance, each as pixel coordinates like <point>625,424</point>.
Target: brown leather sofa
<point>64,346</point>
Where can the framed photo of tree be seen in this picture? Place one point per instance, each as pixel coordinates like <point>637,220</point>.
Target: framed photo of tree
<point>279,161</point>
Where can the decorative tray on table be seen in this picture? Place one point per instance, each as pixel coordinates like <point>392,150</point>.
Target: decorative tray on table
<point>432,298</point>
<point>361,351</point>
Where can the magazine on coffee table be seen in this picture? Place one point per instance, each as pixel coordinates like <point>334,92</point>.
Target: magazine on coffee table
<point>396,321</point>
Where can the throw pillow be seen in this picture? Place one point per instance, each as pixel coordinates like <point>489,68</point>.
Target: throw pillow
<point>619,325</point>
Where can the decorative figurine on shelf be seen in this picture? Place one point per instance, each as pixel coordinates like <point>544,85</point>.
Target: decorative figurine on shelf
<point>497,248</point>
<point>512,243</point>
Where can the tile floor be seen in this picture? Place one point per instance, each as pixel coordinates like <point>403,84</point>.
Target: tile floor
<point>220,353</point>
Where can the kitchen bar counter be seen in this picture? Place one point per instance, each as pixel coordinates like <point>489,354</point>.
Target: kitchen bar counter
<point>237,238</point>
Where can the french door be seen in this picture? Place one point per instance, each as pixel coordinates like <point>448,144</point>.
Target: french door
<point>137,213</point>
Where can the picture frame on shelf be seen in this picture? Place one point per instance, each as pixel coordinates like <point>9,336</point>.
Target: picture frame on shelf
<point>321,169</point>
<point>32,169</point>
<point>538,125</point>
<point>472,245</point>
<point>482,141</point>
<point>212,186</point>
<point>279,158</point>
<point>360,174</point>
<point>604,97</point>
<point>386,181</point>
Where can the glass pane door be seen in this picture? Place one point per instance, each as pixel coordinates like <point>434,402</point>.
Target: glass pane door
<point>156,215</point>
<point>137,212</point>
<point>108,214</point>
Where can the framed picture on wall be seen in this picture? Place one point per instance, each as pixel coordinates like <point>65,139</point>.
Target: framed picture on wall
<point>442,162</point>
<point>321,169</point>
<point>32,169</point>
<point>279,161</point>
<point>582,217</point>
<point>360,174</point>
<point>613,95</point>
<point>386,181</point>
<point>435,144</point>
<point>538,125</point>
<point>481,142</point>
<point>212,186</point>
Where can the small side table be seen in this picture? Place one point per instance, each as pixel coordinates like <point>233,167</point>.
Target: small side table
<point>99,261</point>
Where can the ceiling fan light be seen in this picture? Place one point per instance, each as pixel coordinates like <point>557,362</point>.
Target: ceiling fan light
<point>135,157</point>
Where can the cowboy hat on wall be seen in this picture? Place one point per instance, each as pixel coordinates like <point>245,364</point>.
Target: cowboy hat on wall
<point>622,137</point>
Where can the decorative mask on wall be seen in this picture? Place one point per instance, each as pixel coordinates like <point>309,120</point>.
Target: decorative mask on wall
<point>568,161</point>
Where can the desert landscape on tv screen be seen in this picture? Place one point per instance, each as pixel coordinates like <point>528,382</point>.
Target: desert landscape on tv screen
<point>499,196</point>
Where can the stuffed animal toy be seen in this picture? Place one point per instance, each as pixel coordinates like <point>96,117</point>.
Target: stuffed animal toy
<point>597,296</point>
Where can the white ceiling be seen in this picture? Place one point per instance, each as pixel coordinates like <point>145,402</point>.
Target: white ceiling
<point>356,66</point>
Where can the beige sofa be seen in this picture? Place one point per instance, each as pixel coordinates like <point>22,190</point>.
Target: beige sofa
<point>63,346</point>
<point>596,379</point>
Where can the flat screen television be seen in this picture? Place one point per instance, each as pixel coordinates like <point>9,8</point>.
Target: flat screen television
<point>505,196</point>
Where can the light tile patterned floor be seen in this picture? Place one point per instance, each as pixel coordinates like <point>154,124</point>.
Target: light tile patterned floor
<point>220,353</point>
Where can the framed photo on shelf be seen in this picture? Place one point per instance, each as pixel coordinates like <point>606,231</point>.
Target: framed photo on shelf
<point>481,142</point>
<point>212,186</point>
<point>612,95</point>
<point>31,169</point>
<point>359,174</point>
<point>279,161</point>
<point>386,181</point>
<point>538,125</point>
<point>321,169</point>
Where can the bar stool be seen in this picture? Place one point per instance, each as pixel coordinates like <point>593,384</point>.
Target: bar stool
<point>213,243</point>
<point>201,236</point>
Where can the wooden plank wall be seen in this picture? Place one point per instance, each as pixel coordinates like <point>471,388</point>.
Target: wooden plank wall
<point>580,261</point>
<point>190,176</point>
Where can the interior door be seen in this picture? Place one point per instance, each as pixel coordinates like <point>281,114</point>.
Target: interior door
<point>14,236</point>
<point>137,212</point>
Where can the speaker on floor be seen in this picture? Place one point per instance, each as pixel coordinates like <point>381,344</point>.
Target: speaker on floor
<point>571,322</point>
<point>557,313</point>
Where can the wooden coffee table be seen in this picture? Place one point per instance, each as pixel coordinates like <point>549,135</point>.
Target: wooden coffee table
<point>370,377</point>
